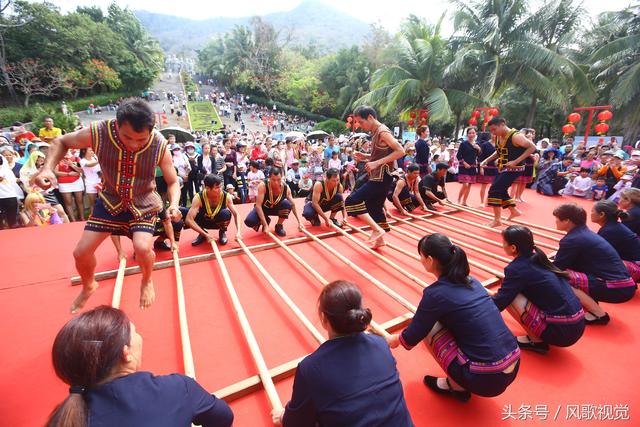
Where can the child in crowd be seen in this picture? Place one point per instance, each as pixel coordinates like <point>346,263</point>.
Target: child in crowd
<point>579,186</point>
<point>624,183</point>
<point>599,190</point>
<point>254,178</point>
<point>434,161</point>
<point>37,212</point>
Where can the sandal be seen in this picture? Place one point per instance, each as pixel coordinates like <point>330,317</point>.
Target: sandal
<point>602,320</point>
<point>538,347</point>
<point>432,383</point>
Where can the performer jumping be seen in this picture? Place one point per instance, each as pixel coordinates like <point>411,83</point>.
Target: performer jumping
<point>326,196</point>
<point>406,194</point>
<point>128,149</point>
<point>512,148</point>
<point>368,200</point>
<point>273,199</point>
<point>212,208</point>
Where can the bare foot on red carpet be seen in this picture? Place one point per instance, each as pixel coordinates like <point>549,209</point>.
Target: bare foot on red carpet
<point>494,224</point>
<point>82,299</point>
<point>514,213</point>
<point>376,239</point>
<point>147,295</point>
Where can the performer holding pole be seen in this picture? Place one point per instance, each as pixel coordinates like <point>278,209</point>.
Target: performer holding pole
<point>368,200</point>
<point>512,148</point>
<point>326,196</point>
<point>128,149</point>
<point>406,195</point>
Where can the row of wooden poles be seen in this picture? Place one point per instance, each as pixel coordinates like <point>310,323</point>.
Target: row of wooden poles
<point>263,372</point>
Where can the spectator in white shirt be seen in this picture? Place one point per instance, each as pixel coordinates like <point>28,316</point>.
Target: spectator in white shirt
<point>580,186</point>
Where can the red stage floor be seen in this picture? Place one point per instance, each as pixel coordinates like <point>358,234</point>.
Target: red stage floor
<point>596,377</point>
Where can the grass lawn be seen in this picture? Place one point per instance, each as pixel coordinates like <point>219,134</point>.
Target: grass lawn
<point>201,114</point>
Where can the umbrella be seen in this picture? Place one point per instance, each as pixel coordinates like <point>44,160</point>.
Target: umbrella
<point>360,135</point>
<point>294,135</point>
<point>182,135</point>
<point>278,136</point>
<point>317,134</point>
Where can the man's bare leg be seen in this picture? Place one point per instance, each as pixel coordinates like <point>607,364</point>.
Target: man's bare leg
<point>497,220</point>
<point>376,239</point>
<point>514,212</point>
<point>483,192</point>
<point>84,255</point>
<point>143,247</point>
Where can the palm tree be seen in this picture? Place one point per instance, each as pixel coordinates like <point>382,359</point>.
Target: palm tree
<point>506,48</point>
<point>417,79</point>
<point>615,64</point>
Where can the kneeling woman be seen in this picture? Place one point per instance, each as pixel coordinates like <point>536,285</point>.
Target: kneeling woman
<point>536,293</point>
<point>463,328</point>
<point>345,380</point>
<point>98,354</point>
<point>596,271</point>
<point>605,213</point>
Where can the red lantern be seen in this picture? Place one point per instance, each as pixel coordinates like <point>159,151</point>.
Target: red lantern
<point>601,128</point>
<point>423,121</point>
<point>349,119</point>
<point>410,122</point>
<point>568,128</point>
<point>605,115</point>
<point>472,121</point>
<point>412,115</point>
<point>347,125</point>
<point>475,114</point>
<point>574,118</point>
<point>494,112</point>
<point>423,115</point>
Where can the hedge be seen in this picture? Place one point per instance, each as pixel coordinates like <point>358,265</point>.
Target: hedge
<point>290,109</point>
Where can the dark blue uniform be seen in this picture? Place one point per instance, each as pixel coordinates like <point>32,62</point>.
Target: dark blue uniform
<point>350,381</point>
<point>422,156</point>
<point>595,266</point>
<point>475,346</point>
<point>328,202</point>
<point>554,313</point>
<point>626,243</point>
<point>633,222</point>
<point>142,399</point>
<point>499,190</point>
<point>469,154</point>
<point>490,170</point>
<point>407,196</point>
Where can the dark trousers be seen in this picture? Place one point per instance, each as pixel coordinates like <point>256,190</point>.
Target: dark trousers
<point>281,210</point>
<point>499,190</point>
<point>334,205</point>
<point>9,211</point>
<point>370,198</point>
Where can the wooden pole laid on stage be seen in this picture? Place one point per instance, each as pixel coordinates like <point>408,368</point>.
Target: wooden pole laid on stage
<point>487,215</point>
<point>375,326</point>
<point>187,355</point>
<point>263,371</point>
<point>384,288</point>
<point>117,288</point>
<point>276,287</point>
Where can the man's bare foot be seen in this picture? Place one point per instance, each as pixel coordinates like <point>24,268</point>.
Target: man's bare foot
<point>494,224</point>
<point>82,299</point>
<point>147,295</point>
<point>378,243</point>
<point>514,213</point>
<point>376,239</point>
<point>520,199</point>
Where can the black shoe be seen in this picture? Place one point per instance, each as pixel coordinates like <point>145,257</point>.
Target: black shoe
<point>336,222</point>
<point>603,320</point>
<point>432,383</point>
<point>161,245</point>
<point>315,222</point>
<point>222,239</point>
<point>280,230</point>
<point>430,207</point>
<point>538,347</point>
<point>198,240</point>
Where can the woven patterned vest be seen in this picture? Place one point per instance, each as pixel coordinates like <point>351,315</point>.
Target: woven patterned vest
<point>211,211</point>
<point>128,176</point>
<point>379,151</point>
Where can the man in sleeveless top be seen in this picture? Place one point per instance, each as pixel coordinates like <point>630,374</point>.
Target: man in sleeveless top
<point>368,200</point>
<point>128,149</point>
<point>273,199</point>
<point>406,195</point>
<point>212,208</point>
<point>512,148</point>
<point>326,196</point>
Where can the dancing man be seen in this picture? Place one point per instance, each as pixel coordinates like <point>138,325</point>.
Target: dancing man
<point>273,199</point>
<point>406,194</point>
<point>212,208</point>
<point>368,200</point>
<point>512,148</point>
<point>128,149</point>
<point>326,196</point>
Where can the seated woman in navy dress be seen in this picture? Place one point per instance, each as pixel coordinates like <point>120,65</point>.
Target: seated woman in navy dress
<point>463,328</point>
<point>98,354</point>
<point>351,380</point>
<point>605,213</point>
<point>630,202</point>
<point>596,271</point>
<point>536,293</point>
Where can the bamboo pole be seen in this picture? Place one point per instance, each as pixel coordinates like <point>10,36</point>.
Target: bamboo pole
<point>117,288</point>
<point>324,282</point>
<point>187,355</point>
<point>287,300</point>
<point>263,371</point>
<point>384,288</point>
